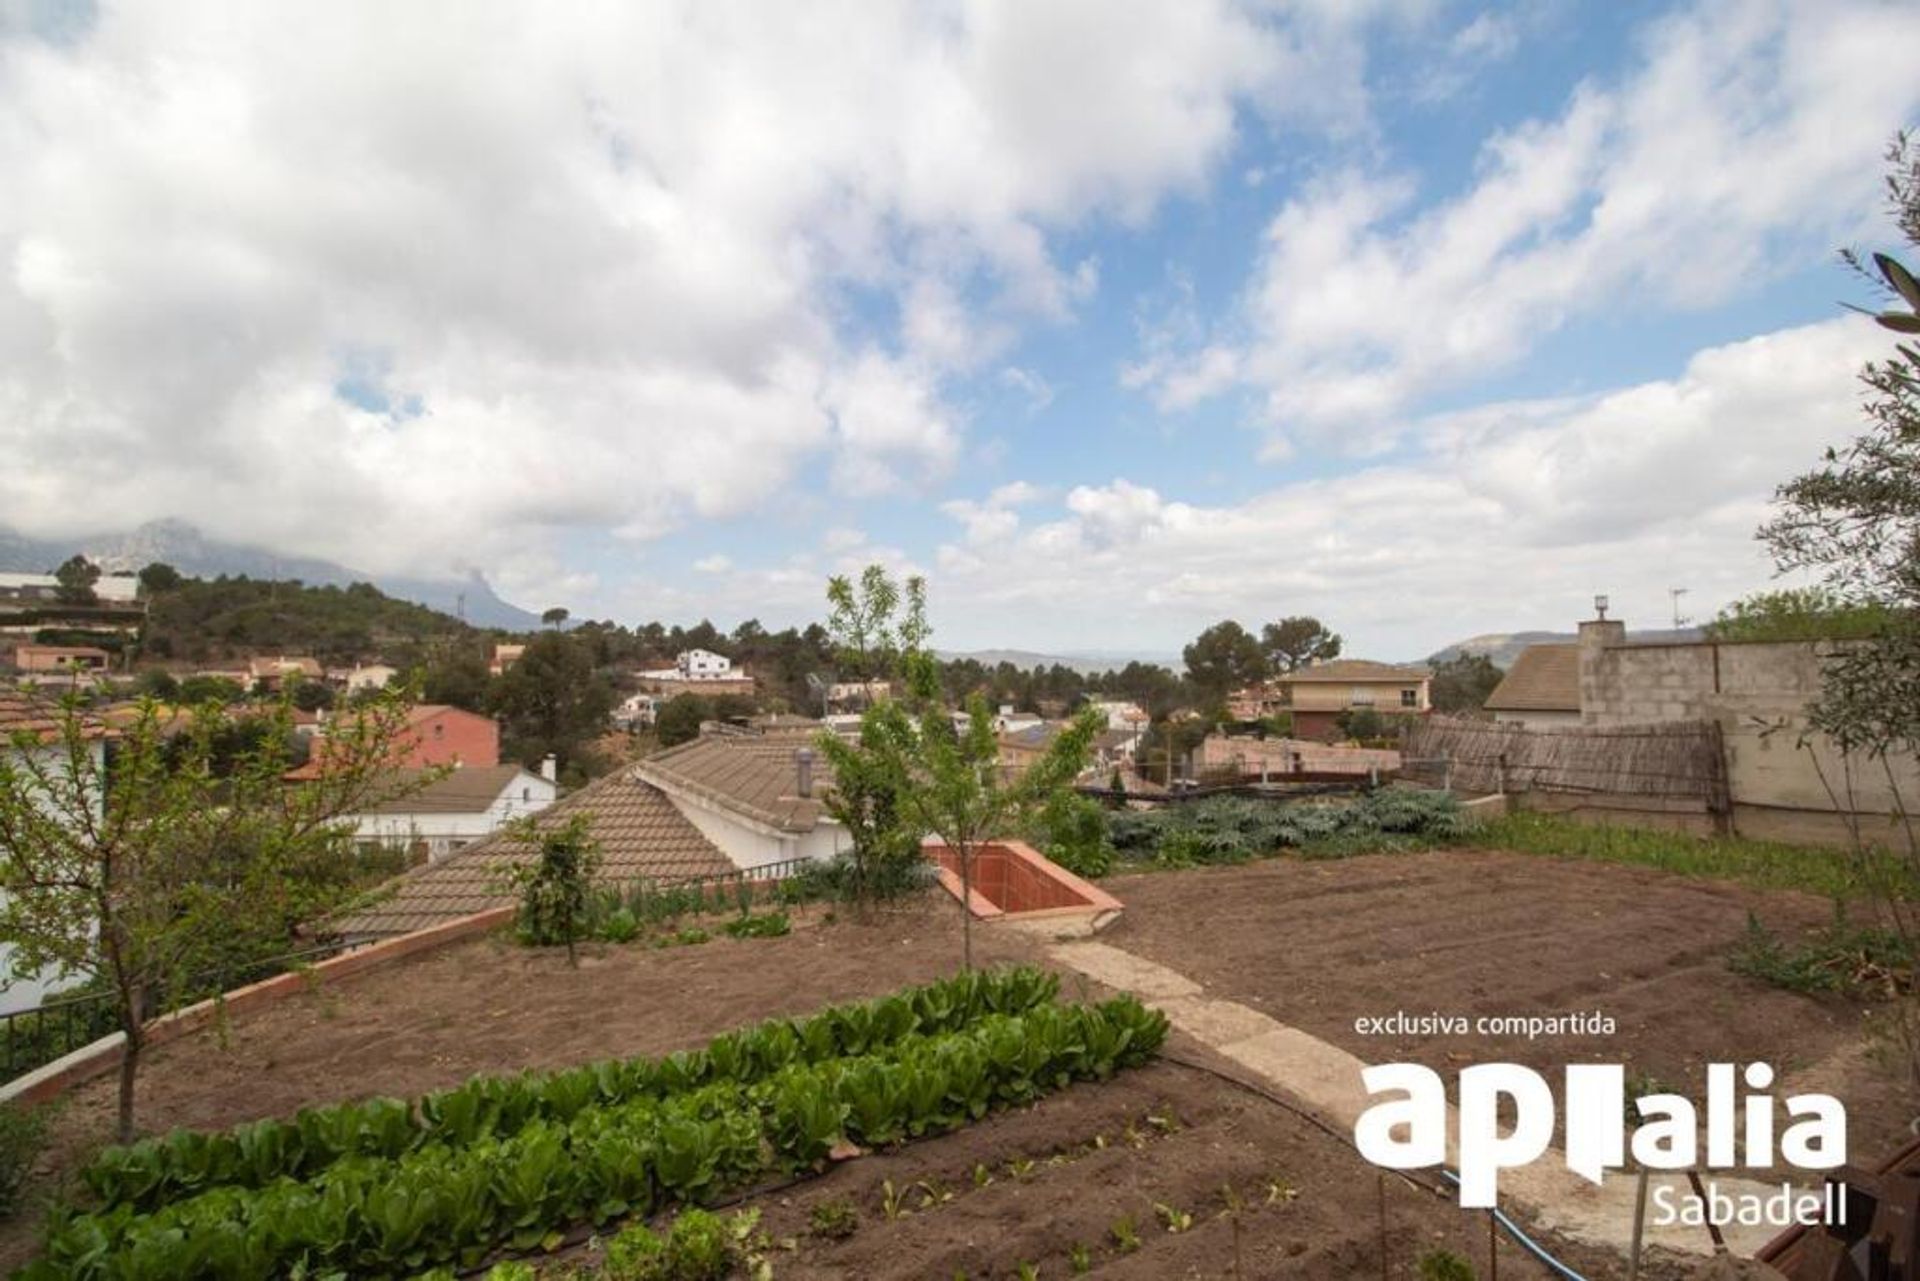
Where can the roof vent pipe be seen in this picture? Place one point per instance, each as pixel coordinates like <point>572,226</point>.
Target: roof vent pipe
<point>803,769</point>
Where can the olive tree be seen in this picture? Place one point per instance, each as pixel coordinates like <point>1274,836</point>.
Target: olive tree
<point>141,856</point>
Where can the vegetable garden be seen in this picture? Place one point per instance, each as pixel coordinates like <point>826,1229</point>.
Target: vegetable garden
<point>388,1187</point>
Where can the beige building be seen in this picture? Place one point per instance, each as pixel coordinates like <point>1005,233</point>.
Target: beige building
<point>1320,693</point>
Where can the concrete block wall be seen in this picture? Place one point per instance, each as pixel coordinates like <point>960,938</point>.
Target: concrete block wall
<point>1785,782</point>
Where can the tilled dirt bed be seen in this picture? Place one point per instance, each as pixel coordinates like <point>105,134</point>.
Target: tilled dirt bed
<point>1320,945</point>
<point>1316,945</point>
<point>1094,1177</point>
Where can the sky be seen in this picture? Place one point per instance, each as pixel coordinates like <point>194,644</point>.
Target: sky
<point>1112,319</point>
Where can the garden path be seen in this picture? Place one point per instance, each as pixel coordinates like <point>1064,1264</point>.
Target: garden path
<point>1327,1080</point>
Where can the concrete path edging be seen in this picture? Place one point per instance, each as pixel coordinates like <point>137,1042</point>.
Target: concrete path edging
<point>1326,1079</point>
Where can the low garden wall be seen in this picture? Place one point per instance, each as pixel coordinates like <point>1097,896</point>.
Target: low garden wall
<point>46,1083</point>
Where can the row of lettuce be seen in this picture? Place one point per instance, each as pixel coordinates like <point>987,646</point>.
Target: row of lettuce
<point>388,1188</point>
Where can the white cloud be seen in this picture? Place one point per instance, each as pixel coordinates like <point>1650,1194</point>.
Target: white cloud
<point>715,564</point>
<point>1746,142</point>
<point>1511,518</point>
<point>602,253</point>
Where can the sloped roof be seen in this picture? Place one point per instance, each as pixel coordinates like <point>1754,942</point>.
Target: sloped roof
<point>641,837</point>
<point>1033,738</point>
<point>469,790</point>
<point>1544,678</point>
<point>1354,669</point>
<point>752,773</point>
<point>25,713</point>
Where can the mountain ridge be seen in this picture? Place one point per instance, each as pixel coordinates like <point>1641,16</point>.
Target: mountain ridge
<point>182,545</point>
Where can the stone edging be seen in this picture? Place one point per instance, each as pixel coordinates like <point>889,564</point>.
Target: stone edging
<point>51,1080</point>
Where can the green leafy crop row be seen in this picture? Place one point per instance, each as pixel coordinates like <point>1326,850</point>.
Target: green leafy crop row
<point>155,1171</point>
<point>454,1203</point>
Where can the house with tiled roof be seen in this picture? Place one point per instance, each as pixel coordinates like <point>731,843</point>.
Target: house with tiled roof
<point>1542,688</point>
<point>431,818</point>
<point>642,836</point>
<point>1318,694</point>
<point>435,734</point>
<point>755,793</point>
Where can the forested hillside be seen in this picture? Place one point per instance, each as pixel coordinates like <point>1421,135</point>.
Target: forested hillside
<point>201,620</point>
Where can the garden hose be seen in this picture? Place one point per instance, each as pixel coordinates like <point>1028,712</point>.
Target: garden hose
<point>1512,1229</point>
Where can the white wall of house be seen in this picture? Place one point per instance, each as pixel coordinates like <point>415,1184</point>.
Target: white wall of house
<point>748,844</point>
<point>703,665</point>
<point>25,991</point>
<point>443,833</point>
<point>372,676</point>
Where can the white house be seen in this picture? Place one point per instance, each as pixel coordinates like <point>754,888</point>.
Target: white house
<point>370,676</point>
<point>755,794</point>
<point>694,665</point>
<point>637,711</point>
<point>109,589</point>
<point>21,714</point>
<point>466,805</point>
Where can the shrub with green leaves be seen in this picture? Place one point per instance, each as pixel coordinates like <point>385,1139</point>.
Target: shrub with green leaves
<point>700,1246</point>
<point>1853,960</point>
<point>1445,1265</point>
<point>23,1134</point>
<point>1234,829</point>
<point>1071,830</point>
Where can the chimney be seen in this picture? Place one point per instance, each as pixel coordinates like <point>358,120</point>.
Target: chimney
<point>1597,636</point>
<point>803,769</point>
<point>550,768</point>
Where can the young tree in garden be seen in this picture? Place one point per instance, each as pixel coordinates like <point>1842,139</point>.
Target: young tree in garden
<point>945,782</point>
<point>138,859</point>
<point>1224,658</point>
<point>867,782</point>
<point>956,789</point>
<point>556,888</point>
<point>871,631</point>
<point>1292,643</point>
<point>76,577</point>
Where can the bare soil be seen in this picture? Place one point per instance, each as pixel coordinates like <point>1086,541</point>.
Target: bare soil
<point>1320,945</point>
<point>1080,1168</point>
<point>1312,944</point>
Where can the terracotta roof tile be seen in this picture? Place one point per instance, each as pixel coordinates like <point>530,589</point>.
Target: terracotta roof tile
<point>467,790</point>
<point>25,713</point>
<point>753,774</point>
<point>641,836</point>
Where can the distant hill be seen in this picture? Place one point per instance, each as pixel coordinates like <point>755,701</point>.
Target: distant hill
<point>1504,647</point>
<point>184,547</point>
<point>1094,660</point>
